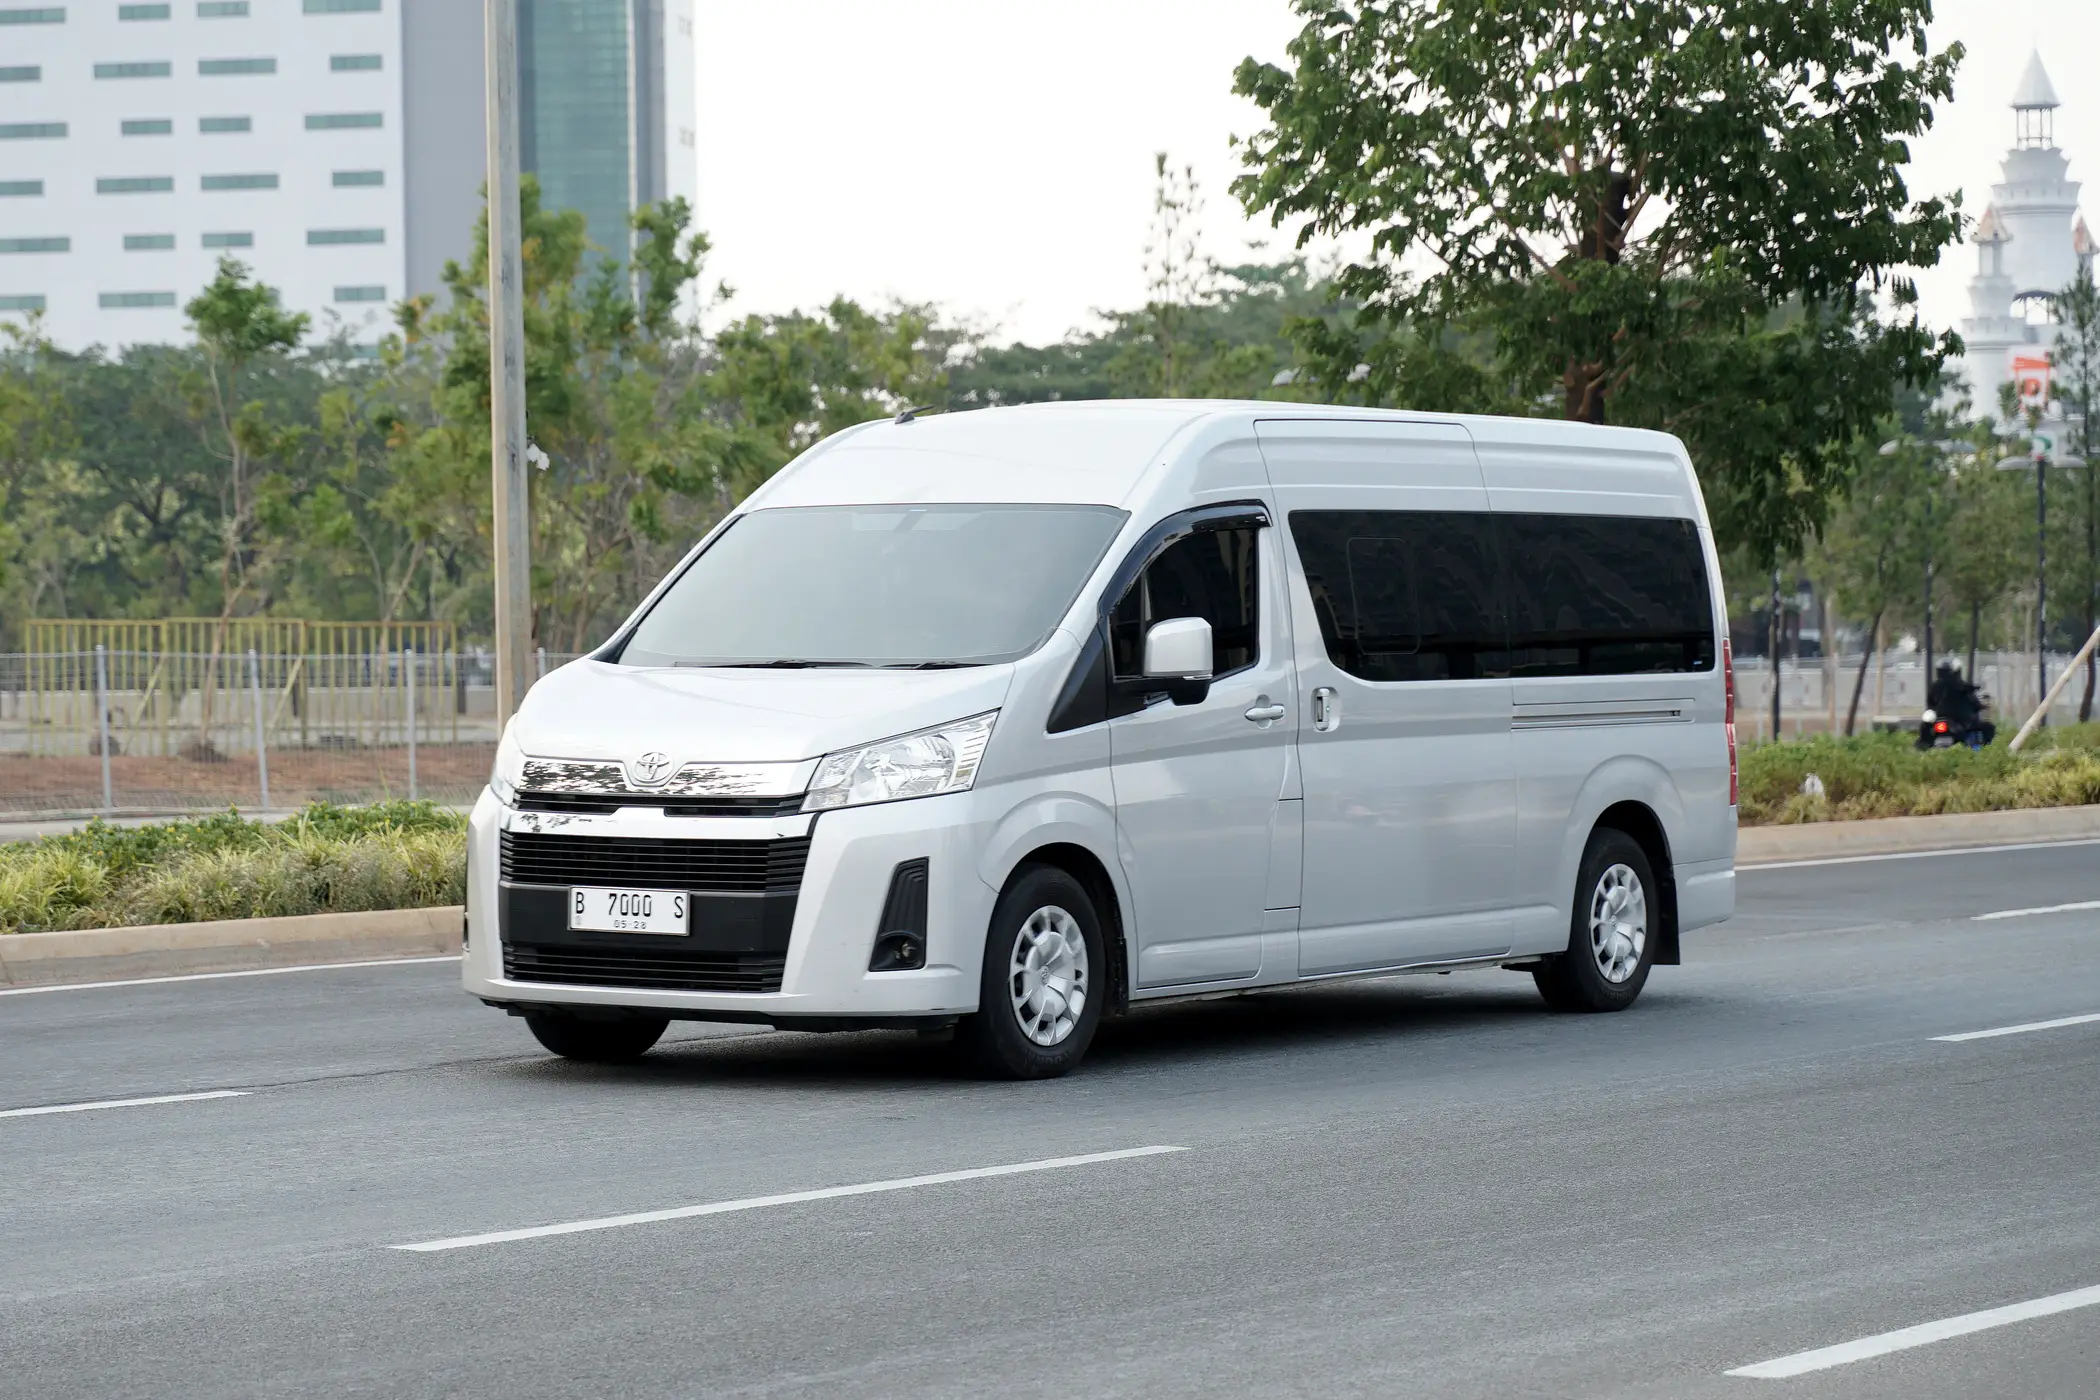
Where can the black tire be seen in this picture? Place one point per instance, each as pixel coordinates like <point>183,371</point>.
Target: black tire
<point>1602,970</point>
<point>1041,904</point>
<point>613,1042</point>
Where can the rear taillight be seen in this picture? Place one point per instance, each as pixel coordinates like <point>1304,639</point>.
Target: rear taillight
<point>1728,718</point>
<point>1940,728</point>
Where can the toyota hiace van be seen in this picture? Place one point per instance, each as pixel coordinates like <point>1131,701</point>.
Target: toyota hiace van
<point>1007,720</point>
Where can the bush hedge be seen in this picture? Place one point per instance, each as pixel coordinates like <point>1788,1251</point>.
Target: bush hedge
<point>1884,775</point>
<point>392,855</point>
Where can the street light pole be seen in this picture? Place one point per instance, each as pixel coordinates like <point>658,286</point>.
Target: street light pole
<point>2041,575</point>
<point>510,527</point>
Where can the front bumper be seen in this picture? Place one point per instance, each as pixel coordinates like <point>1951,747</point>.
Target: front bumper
<point>852,856</point>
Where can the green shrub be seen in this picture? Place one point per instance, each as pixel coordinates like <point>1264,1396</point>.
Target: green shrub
<point>395,855</point>
<point>1885,775</point>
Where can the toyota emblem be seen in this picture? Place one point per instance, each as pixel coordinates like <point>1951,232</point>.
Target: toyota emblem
<point>651,768</point>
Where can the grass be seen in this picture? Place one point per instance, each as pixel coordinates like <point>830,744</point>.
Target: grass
<point>328,859</point>
<point>1884,775</point>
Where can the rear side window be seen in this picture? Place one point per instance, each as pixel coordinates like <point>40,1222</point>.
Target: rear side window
<point>1593,595</point>
<point>1404,595</point>
<point>1212,575</point>
<point>1458,595</point>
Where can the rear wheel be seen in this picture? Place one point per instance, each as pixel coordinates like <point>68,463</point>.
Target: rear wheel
<point>599,1042</point>
<point>1040,996</point>
<point>1611,938</point>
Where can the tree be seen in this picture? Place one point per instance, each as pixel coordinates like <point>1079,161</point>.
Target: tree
<point>1873,548</point>
<point>2078,382</point>
<point>1662,213</point>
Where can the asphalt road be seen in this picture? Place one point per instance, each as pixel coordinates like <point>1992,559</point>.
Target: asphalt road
<point>1417,1186</point>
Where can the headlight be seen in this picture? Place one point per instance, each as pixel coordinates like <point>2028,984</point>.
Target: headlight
<point>911,765</point>
<point>509,768</point>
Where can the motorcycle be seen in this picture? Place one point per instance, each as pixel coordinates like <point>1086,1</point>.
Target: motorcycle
<point>1937,732</point>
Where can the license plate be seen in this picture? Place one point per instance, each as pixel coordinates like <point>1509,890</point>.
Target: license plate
<point>629,911</point>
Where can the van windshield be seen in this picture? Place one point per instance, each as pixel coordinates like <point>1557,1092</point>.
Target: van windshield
<point>904,586</point>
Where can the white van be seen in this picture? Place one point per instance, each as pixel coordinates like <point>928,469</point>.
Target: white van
<point>1006,720</point>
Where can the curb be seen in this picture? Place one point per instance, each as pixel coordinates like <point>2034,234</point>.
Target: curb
<point>228,945</point>
<point>1880,836</point>
<point>242,945</point>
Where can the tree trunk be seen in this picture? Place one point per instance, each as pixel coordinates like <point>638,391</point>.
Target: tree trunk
<point>1859,682</point>
<point>1975,626</point>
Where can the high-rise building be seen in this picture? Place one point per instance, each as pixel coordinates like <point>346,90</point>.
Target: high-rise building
<point>337,147</point>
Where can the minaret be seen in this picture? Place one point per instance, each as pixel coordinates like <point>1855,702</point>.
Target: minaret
<point>2026,247</point>
<point>2037,201</point>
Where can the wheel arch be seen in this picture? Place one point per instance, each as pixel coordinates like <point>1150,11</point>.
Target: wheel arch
<point>1639,821</point>
<point>1092,874</point>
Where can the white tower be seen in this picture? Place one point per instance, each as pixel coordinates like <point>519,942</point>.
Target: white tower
<point>2027,248</point>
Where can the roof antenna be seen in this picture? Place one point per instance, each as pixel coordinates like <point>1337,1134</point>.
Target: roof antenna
<point>911,414</point>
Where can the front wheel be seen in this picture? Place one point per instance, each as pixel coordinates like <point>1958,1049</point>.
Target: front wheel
<point>1611,938</point>
<point>1039,999</point>
<point>597,1042</point>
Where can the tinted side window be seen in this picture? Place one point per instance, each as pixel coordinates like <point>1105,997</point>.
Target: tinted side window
<point>1211,575</point>
<point>1606,595</point>
<point>1404,595</point>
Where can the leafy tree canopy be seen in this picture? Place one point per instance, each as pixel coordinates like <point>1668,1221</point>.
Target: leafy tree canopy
<point>1659,213</point>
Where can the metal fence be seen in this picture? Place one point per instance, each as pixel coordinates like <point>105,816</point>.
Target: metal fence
<point>104,729</point>
<point>1815,693</point>
<point>144,731</point>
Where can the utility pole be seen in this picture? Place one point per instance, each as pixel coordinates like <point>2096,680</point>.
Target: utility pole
<point>1777,630</point>
<point>510,525</point>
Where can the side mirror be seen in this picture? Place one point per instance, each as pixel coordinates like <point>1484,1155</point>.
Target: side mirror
<point>1178,652</point>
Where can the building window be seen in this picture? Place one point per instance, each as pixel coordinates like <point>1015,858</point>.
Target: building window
<point>342,121</point>
<point>134,70</point>
<point>22,73</point>
<point>36,245</point>
<point>359,179</point>
<point>143,11</point>
<point>31,131</point>
<point>44,14</point>
<point>149,126</point>
<point>354,63</point>
<point>222,9</point>
<point>234,67</point>
<point>21,187</point>
<point>221,126</point>
<point>229,240</point>
<point>360,294</point>
<point>148,242</point>
<point>136,184</point>
<point>326,237</point>
<point>239,182</point>
<point>132,301</point>
<point>31,302</point>
<point>342,7</point>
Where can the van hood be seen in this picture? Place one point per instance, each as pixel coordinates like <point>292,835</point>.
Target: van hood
<point>598,710</point>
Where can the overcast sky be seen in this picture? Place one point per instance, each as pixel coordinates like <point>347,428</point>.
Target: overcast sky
<point>995,156</point>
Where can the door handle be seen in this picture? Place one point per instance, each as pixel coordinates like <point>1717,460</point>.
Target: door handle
<point>1264,714</point>
<point>1326,709</point>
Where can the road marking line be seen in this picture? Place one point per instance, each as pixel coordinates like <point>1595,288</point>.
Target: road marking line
<point>215,976</point>
<point>1845,1353</point>
<point>2043,909</point>
<point>1914,855</point>
<point>906,1183</point>
<point>122,1103</point>
<point>2021,1029</point>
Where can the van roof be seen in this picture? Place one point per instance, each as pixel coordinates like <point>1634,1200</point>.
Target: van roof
<point>1098,451</point>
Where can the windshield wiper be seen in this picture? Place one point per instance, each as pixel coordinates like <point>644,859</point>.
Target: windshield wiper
<point>785,664</point>
<point>930,665</point>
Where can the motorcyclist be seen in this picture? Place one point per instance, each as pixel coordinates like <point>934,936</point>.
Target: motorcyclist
<point>1957,702</point>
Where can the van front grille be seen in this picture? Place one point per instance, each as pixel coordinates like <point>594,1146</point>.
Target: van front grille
<point>672,806</point>
<point>703,867</point>
<point>644,967</point>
